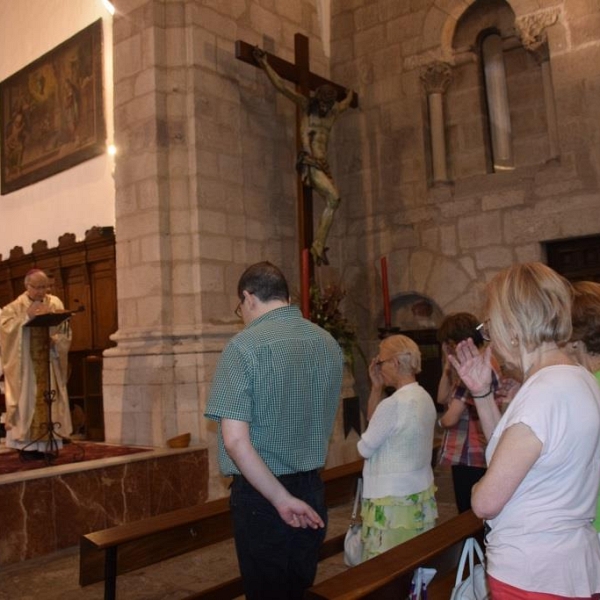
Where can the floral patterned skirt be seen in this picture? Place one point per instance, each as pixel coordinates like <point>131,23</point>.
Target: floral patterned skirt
<point>389,521</point>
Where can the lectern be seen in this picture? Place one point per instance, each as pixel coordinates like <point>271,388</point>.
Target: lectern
<point>49,433</point>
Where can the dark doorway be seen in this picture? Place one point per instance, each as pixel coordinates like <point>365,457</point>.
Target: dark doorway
<point>577,259</point>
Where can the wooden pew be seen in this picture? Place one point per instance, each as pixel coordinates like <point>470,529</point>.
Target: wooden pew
<point>233,588</point>
<point>107,553</point>
<point>388,576</point>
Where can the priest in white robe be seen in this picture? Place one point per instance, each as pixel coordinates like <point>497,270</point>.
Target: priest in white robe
<point>30,357</point>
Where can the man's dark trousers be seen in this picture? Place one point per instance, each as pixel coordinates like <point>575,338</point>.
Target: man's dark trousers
<point>277,562</point>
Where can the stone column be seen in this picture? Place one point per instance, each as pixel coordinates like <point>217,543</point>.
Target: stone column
<point>174,254</point>
<point>532,30</point>
<point>436,78</point>
<point>497,97</point>
<point>194,207</point>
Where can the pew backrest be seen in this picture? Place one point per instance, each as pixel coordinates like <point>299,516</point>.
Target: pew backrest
<point>389,575</point>
<point>107,553</point>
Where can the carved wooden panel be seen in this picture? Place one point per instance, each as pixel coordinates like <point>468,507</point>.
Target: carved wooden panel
<point>76,294</point>
<point>81,274</point>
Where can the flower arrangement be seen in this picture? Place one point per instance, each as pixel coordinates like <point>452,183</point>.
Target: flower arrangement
<point>325,311</point>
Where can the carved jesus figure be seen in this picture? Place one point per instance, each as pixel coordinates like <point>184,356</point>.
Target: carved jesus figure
<point>319,112</point>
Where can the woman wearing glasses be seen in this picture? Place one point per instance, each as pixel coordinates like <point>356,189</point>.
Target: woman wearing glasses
<point>398,490</point>
<point>539,492</point>
<point>463,444</point>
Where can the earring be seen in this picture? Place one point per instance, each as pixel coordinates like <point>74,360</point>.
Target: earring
<point>513,342</point>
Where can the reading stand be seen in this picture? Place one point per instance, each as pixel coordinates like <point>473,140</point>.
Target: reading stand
<point>49,435</point>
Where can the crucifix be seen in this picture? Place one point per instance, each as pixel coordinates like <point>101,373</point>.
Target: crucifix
<point>318,103</point>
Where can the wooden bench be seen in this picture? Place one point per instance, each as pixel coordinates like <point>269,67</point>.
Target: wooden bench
<point>233,588</point>
<point>110,552</point>
<point>389,575</point>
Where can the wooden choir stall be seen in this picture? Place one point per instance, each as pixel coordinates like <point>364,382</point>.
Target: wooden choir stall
<point>83,274</point>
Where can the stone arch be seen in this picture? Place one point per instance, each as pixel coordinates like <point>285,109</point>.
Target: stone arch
<point>442,18</point>
<point>469,144</point>
<point>439,25</point>
<point>414,310</point>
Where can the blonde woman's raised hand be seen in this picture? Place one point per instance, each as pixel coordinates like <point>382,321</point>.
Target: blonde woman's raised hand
<point>473,366</point>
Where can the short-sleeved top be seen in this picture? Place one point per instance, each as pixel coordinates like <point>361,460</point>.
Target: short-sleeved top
<point>282,374</point>
<point>542,540</point>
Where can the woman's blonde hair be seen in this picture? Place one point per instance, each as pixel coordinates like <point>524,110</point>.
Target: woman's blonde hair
<point>406,350</point>
<point>530,304</point>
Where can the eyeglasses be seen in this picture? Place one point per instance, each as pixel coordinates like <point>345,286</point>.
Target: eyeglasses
<point>238,309</point>
<point>380,361</point>
<point>484,331</point>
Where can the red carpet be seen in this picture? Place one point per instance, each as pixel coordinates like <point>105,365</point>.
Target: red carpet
<point>10,462</point>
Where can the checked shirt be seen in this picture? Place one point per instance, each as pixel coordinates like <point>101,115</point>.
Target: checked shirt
<point>282,374</point>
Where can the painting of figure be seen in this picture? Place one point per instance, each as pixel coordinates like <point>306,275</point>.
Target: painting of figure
<point>52,111</point>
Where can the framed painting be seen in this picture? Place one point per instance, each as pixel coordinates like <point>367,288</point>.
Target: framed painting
<point>52,112</point>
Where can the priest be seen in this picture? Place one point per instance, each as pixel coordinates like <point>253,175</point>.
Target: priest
<point>35,361</point>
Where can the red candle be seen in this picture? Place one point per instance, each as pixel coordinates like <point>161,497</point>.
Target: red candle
<point>305,285</point>
<point>386,293</point>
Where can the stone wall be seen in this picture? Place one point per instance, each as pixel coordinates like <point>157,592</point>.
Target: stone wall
<point>445,241</point>
<point>205,186</point>
<point>205,182</point>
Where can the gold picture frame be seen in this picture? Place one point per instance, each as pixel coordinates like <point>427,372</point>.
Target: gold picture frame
<point>52,112</point>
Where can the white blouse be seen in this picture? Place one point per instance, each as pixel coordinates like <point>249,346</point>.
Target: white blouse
<point>397,444</point>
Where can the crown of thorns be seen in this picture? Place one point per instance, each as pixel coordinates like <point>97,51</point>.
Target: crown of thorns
<point>326,93</point>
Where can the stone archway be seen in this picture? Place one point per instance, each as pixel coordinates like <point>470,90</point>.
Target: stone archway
<point>441,21</point>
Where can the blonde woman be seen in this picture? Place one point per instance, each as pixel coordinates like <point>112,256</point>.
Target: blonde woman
<point>398,490</point>
<point>539,493</point>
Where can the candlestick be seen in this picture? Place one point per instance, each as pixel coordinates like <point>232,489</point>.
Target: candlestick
<point>305,285</point>
<point>386,293</point>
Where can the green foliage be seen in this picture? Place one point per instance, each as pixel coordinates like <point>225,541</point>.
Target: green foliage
<point>325,311</point>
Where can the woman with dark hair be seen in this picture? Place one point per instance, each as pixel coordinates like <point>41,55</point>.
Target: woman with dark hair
<point>463,444</point>
<point>539,493</point>
<point>585,339</point>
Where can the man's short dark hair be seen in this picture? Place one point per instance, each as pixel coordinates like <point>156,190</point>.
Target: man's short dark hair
<point>458,327</point>
<point>265,281</point>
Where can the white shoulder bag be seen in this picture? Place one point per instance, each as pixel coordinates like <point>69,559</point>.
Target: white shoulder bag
<point>474,586</point>
<point>353,545</point>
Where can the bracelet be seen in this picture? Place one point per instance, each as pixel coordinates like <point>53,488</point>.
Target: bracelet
<point>490,391</point>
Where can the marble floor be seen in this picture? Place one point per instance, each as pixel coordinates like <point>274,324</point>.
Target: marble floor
<point>55,576</point>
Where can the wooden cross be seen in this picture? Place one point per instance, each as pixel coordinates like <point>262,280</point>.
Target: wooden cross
<point>299,73</point>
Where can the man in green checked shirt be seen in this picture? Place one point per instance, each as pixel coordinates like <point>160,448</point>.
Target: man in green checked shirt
<point>275,395</point>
